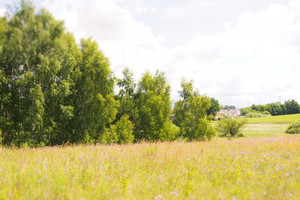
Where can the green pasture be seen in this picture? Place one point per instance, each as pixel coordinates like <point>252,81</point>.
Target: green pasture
<point>264,129</point>
<point>275,119</point>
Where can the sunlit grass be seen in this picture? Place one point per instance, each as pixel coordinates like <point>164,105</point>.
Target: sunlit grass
<point>275,119</point>
<point>264,129</point>
<point>261,168</point>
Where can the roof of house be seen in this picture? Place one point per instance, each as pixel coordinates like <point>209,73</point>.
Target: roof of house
<point>231,112</point>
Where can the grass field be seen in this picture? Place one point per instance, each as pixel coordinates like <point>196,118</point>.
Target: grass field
<point>265,129</point>
<point>275,119</point>
<point>243,168</point>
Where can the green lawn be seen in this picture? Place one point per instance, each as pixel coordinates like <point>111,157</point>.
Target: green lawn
<point>275,119</point>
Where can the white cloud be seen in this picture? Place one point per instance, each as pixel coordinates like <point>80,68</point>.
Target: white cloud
<point>255,58</point>
<point>127,41</point>
<point>259,50</point>
<point>2,12</point>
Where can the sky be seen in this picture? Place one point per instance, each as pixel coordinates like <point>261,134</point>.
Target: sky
<point>239,52</point>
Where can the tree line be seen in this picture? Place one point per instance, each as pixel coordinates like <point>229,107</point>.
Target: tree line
<point>55,91</point>
<point>288,107</point>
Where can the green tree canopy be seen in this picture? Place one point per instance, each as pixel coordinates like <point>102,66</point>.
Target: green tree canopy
<point>153,105</point>
<point>214,108</point>
<point>190,114</point>
<point>55,91</point>
<point>52,90</point>
<point>292,107</point>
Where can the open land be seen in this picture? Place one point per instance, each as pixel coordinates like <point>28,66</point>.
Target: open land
<point>275,119</point>
<point>241,168</point>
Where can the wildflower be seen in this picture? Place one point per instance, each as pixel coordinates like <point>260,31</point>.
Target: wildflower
<point>158,197</point>
<point>175,193</point>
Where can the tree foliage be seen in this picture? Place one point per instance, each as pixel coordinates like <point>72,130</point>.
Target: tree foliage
<point>190,114</point>
<point>127,96</point>
<point>148,106</point>
<point>228,107</point>
<point>230,126</point>
<point>292,107</point>
<point>214,108</point>
<point>154,107</point>
<point>120,133</point>
<point>55,91</point>
<point>293,128</point>
<point>52,90</point>
<point>277,108</point>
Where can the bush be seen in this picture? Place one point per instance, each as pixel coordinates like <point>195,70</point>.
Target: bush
<point>267,113</point>
<point>124,129</point>
<point>293,128</point>
<point>110,136</point>
<point>210,117</point>
<point>245,111</point>
<point>120,133</point>
<point>257,114</point>
<point>169,132</point>
<point>230,126</point>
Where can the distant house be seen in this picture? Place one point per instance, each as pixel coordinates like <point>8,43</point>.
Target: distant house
<point>228,113</point>
<point>221,113</point>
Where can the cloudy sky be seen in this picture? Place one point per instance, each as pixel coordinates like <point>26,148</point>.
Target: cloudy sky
<point>240,52</point>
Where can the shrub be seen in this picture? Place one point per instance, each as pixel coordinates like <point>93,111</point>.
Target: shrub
<point>230,126</point>
<point>169,132</point>
<point>245,111</point>
<point>257,114</point>
<point>266,113</point>
<point>110,135</point>
<point>210,117</point>
<point>124,129</point>
<point>293,128</point>
<point>120,133</point>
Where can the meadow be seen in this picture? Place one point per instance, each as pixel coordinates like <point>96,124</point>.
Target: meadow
<point>242,168</point>
<point>268,126</point>
<point>275,119</point>
<point>264,130</point>
<point>55,90</point>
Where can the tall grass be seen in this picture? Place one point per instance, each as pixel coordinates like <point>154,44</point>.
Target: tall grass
<point>265,168</point>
